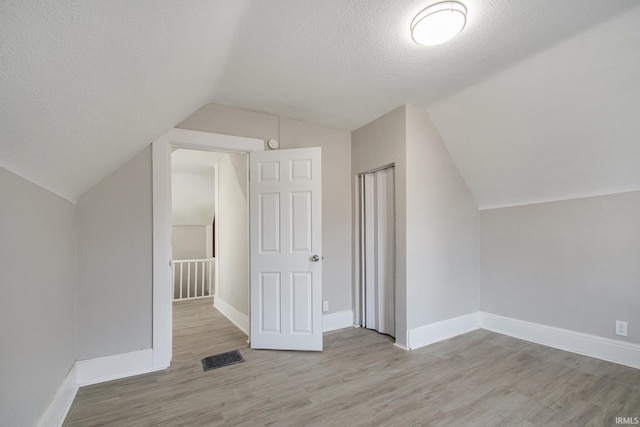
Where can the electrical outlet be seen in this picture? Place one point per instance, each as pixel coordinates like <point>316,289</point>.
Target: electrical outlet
<point>621,328</point>
<point>325,307</point>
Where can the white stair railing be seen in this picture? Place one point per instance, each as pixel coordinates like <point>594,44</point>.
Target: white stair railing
<point>192,278</point>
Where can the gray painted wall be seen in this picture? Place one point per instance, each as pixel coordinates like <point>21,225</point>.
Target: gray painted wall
<point>336,197</point>
<point>377,144</point>
<point>188,241</point>
<point>571,264</point>
<point>436,218</point>
<point>442,219</point>
<point>115,271</point>
<point>38,277</point>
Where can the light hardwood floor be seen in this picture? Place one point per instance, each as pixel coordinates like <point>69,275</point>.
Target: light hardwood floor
<point>361,379</point>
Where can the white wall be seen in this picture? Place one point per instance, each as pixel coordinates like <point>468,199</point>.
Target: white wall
<point>193,186</point>
<point>335,194</point>
<point>377,144</point>
<point>442,224</point>
<point>115,245</point>
<point>192,198</point>
<point>38,281</point>
<point>233,232</point>
<point>571,264</point>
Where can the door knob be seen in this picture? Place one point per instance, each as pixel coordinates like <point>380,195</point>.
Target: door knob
<point>315,258</point>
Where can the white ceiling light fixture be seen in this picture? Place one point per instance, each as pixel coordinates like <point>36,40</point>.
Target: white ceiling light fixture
<point>438,23</point>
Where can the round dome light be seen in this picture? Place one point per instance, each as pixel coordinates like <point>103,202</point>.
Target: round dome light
<point>438,23</point>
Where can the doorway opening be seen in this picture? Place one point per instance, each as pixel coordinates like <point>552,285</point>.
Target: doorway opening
<point>376,250</point>
<point>285,207</point>
<point>162,224</point>
<point>193,202</point>
<point>205,186</point>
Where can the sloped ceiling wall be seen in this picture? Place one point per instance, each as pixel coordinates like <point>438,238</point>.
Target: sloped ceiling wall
<point>85,85</point>
<point>562,124</point>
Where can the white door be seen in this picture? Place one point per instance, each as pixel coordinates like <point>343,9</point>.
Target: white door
<point>286,249</point>
<point>377,250</point>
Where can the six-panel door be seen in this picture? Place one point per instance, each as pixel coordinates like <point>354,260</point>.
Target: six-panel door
<point>286,249</point>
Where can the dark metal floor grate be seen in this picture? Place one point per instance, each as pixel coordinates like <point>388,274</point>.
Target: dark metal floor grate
<point>222,359</point>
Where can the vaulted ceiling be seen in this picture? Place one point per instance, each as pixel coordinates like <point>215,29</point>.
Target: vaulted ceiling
<point>535,100</point>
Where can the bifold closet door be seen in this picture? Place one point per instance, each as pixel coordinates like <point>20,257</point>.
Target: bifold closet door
<point>377,222</point>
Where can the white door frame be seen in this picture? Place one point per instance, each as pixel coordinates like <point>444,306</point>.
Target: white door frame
<point>161,183</point>
<point>216,232</point>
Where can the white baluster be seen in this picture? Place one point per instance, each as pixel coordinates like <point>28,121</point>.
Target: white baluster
<point>203,277</point>
<point>195,282</point>
<point>189,280</point>
<point>181,265</point>
<point>202,280</point>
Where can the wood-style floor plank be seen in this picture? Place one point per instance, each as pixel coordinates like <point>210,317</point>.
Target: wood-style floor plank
<point>361,379</point>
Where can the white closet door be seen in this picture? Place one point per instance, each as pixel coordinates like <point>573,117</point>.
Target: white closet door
<point>369,252</point>
<point>386,251</point>
<point>378,250</point>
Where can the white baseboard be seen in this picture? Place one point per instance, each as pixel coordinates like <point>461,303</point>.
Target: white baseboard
<point>236,317</point>
<point>401,346</point>
<point>610,350</point>
<point>101,369</point>
<point>93,371</point>
<point>338,320</point>
<point>59,406</point>
<point>445,329</point>
<point>615,351</point>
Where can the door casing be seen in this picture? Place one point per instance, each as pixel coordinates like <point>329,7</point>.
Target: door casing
<point>161,183</point>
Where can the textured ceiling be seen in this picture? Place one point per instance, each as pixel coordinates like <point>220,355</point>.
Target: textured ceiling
<point>84,85</point>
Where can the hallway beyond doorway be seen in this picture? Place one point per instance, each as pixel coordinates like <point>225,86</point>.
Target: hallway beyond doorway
<point>200,330</point>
